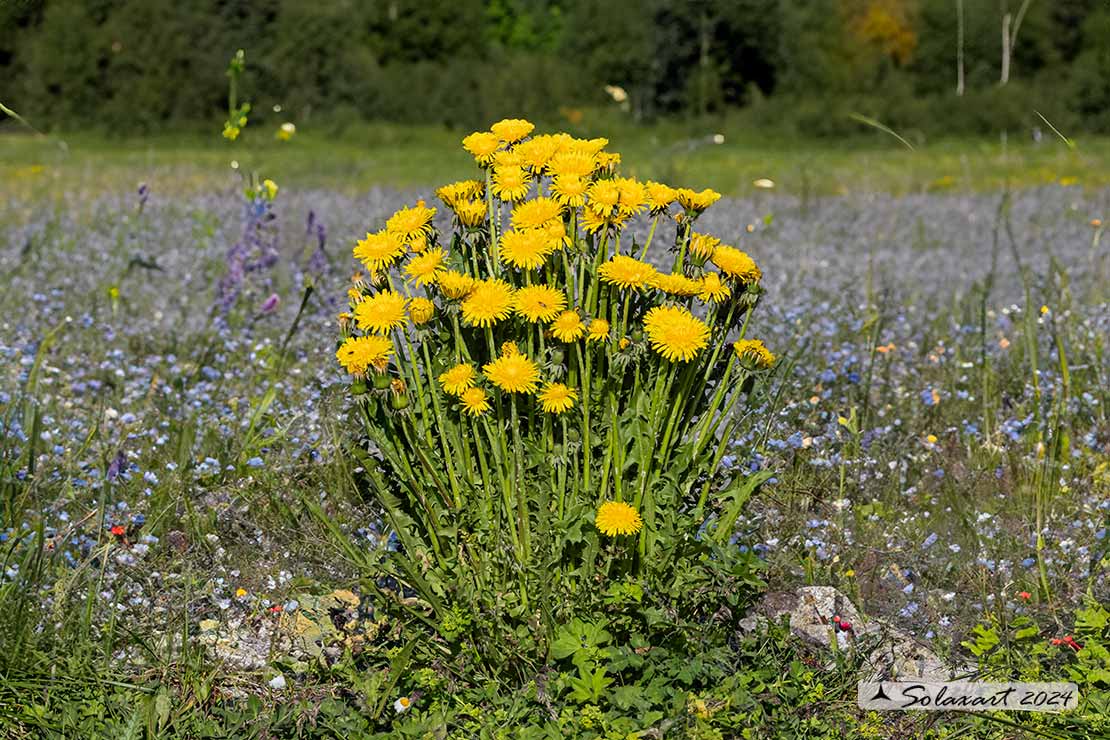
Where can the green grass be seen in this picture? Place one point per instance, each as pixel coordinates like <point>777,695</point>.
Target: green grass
<point>681,154</point>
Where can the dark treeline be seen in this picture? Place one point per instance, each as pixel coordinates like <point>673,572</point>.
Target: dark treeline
<point>959,66</point>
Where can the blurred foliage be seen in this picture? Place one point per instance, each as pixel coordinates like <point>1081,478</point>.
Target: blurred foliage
<point>133,66</point>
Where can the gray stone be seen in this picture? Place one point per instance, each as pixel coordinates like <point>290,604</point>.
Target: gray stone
<point>889,653</point>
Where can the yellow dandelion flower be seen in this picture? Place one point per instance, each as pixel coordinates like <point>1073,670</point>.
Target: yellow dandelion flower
<point>354,295</point>
<point>538,151</point>
<point>589,146</point>
<point>426,268</point>
<point>526,250</point>
<point>482,144</point>
<point>754,354</point>
<point>379,251</point>
<point>508,349</point>
<point>675,333</point>
<point>712,289</point>
<point>511,130</point>
<point>539,302</point>
<point>624,343</point>
<point>457,192</point>
<point>675,283</point>
<point>603,196</point>
<point>695,201</point>
<point>471,212</point>
<point>510,183</point>
<point>412,225</point>
<point>455,285</point>
<point>702,246</point>
<point>555,398</point>
<point>381,313</point>
<point>736,264</point>
<point>474,401</point>
<point>568,326</point>
<point>659,197</point>
<point>421,310</point>
<point>617,518</point>
<point>597,331</point>
<point>456,380</point>
<point>592,220</point>
<point>358,354</point>
<point>572,164</point>
<point>569,190</point>
<point>508,158</point>
<point>633,196</point>
<point>513,373</point>
<point>490,301</point>
<point>532,214</point>
<point>626,272</point>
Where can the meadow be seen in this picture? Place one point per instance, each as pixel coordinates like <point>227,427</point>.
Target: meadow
<point>188,549</point>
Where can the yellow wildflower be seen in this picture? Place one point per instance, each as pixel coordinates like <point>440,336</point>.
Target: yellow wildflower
<point>526,250</point>
<point>567,326</point>
<point>381,313</point>
<point>569,190</point>
<point>626,272</point>
<point>675,333</point>
<point>539,302</point>
<point>482,144</point>
<point>471,212</point>
<point>510,183</point>
<point>712,289</point>
<point>597,330</point>
<point>555,398</point>
<point>421,310</point>
<point>736,264</point>
<point>489,302</point>
<point>753,353</point>
<point>455,284</point>
<point>513,373</point>
<point>412,225</point>
<point>511,130</point>
<point>358,354</point>
<point>617,518</point>
<point>474,401</point>
<point>426,268</point>
<point>457,379</point>
<point>379,251</point>
<point>532,214</point>
<point>659,197</point>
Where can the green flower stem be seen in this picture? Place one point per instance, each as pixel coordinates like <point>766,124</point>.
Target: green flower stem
<point>585,415</point>
<point>500,460</point>
<point>483,467</point>
<point>651,235</point>
<point>718,347</point>
<point>706,426</point>
<point>518,489</point>
<point>441,425</point>
<point>495,262</point>
<point>415,377</point>
<point>602,255</point>
<point>684,240</point>
<point>722,447</point>
<point>460,346</point>
<point>562,472</point>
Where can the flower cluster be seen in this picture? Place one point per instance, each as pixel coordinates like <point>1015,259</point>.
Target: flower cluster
<point>536,322</point>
